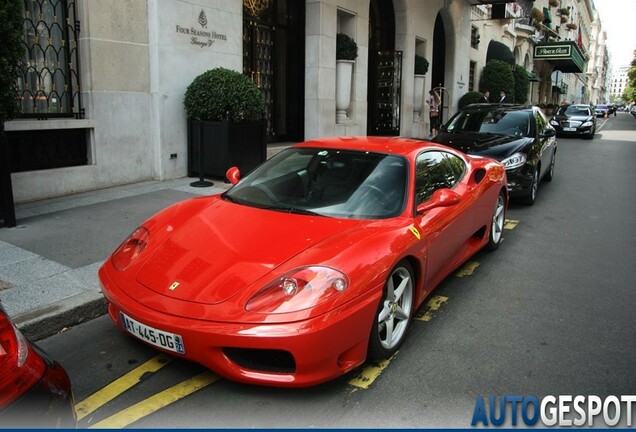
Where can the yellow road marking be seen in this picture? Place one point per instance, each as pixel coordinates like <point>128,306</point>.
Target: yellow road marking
<point>158,401</point>
<point>120,385</point>
<point>467,269</point>
<point>510,224</point>
<point>370,373</point>
<point>431,306</point>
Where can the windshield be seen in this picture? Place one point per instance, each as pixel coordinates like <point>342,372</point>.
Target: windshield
<point>574,110</point>
<point>513,123</point>
<point>335,183</point>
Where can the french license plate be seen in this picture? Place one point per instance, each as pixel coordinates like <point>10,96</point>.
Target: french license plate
<point>162,339</point>
<point>568,129</point>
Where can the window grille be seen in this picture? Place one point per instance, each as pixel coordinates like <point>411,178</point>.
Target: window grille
<point>49,85</point>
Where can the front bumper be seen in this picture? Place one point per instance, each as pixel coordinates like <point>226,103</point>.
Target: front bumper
<point>520,181</point>
<point>48,404</point>
<point>310,352</point>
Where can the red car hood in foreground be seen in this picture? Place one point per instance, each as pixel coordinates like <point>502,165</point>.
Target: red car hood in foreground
<point>226,247</point>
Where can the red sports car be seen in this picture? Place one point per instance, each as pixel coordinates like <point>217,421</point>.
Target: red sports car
<point>313,262</point>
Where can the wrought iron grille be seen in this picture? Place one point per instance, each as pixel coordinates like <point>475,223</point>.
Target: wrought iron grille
<point>50,85</point>
<point>388,92</point>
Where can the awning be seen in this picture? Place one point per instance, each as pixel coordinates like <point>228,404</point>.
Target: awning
<point>533,77</point>
<point>564,55</point>
<point>499,51</point>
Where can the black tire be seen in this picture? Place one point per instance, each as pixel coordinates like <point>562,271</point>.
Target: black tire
<point>550,174</point>
<point>532,195</point>
<point>591,134</point>
<point>394,312</point>
<point>495,234</point>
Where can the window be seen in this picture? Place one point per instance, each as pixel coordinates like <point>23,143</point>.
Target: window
<point>49,86</point>
<point>436,170</point>
<point>474,37</point>
<point>471,76</point>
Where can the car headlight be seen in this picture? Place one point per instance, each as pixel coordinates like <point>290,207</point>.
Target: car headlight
<point>587,123</point>
<point>554,123</point>
<point>515,161</point>
<point>130,249</point>
<point>299,289</point>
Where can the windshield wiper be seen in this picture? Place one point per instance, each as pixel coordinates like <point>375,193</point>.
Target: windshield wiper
<point>294,210</point>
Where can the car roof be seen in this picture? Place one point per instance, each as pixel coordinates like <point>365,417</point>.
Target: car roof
<point>480,107</point>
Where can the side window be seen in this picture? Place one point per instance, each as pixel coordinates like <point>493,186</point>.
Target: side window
<point>436,170</point>
<point>541,121</point>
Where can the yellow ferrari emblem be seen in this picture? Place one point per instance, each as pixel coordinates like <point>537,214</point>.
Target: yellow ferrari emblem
<point>174,286</point>
<point>415,232</point>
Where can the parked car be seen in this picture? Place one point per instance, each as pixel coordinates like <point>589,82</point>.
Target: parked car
<point>576,120</point>
<point>35,391</point>
<point>519,137</point>
<point>601,110</point>
<point>313,262</point>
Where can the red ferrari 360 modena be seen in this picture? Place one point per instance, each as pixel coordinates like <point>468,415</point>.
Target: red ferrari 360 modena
<point>311,263</point>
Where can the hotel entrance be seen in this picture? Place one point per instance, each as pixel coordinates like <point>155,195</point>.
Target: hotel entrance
<point>273,57</point>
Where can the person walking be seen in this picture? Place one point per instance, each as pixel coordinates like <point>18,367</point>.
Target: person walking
<point>433,113</point>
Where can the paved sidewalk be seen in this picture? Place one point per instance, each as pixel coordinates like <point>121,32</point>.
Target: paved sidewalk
<point>49,261</point>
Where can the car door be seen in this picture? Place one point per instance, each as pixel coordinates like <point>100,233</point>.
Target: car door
<point>545,141</point>
<point>445,229</point>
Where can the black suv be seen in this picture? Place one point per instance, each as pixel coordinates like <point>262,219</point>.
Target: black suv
<point>519,137</point>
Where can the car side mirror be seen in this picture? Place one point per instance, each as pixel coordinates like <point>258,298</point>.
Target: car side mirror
<point>440,198</point>
<point>233,175</point>
<point>547,133</point>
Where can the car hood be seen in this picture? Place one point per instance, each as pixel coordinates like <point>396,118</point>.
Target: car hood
<point>482,144</point>
<point>581,118</point>
<point>225,247</point>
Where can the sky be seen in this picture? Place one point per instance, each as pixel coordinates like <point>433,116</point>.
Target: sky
<point>617,19</point>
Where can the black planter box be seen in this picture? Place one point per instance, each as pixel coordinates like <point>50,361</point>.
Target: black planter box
<point>7,207</point>
<point>223,145</point>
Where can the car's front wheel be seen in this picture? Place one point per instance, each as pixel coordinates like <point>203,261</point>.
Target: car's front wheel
<point>394,313</point>
<point>532,194</point>
<point>497,225</point>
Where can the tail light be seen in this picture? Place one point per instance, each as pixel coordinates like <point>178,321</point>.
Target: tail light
<point>20,367</point>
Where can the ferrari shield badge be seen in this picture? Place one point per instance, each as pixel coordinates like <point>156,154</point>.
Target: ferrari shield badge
<point>415,232</point>
<point>174,286</point>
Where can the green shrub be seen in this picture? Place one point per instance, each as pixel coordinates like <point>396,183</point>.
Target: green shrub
<point>522,84</point>
<point>497,76</point>
<point>470,98</point>
<point>11,55</point>
<point>346,47</point>
<point>223,93</point>
<point>421,65</point>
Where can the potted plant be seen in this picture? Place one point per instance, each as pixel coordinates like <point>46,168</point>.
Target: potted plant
<point>571,26</point>
<point>565,11</point>
<point>225,123</point>
<point>346,54</point>
<point>421,67</point>
<point>554,3</point>
<point>10,56</point>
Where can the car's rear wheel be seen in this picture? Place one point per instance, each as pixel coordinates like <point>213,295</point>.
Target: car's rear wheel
<point>532,194</point>
<point>497,225</point>
<point>394,313</point>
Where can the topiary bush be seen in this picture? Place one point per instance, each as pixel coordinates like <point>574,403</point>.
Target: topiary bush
<point>346,47</point>
<point>421,65</point>
<point>11,54</point>
<point>470,98</point>
<point>522,84</point>
<point>497,76</point>
<point>220,94</point>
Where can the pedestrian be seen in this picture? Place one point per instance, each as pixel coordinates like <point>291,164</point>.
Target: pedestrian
<point>486,98</point>
<point>433,113</point>
<point>503,97</point>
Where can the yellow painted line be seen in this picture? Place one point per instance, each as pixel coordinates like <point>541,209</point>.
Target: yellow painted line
<point>120,385</point>
<point>370,373</point>
<point>510,224</point>
<point>431,306</point>
<point>156,402</point>
<point>467,269</point>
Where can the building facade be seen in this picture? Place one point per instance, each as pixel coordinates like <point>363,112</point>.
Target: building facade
<point>104,80</point>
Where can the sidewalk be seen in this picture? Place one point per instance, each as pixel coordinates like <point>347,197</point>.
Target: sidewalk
<point>49,261</point>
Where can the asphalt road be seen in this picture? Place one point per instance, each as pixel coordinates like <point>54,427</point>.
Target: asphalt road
<point>549,313</point>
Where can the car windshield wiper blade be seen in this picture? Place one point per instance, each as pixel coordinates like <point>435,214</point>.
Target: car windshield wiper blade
<point>294,210</point>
